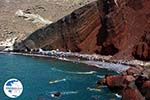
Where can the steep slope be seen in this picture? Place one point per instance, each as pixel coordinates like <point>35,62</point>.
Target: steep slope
<point>72,32</point>
<point>12,26</point>
<point>136,25</point>
<point>107,27</point>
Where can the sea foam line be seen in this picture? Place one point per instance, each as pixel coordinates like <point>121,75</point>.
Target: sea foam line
<point>80,73</point>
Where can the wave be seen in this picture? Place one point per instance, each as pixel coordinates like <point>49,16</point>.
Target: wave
<point>102,87</point>
<point>118,96</point>
<point>57,81</point>
<point>64,59</point>
<point>84,73</point>
<point>100,76</point>
<point>64,92</point>
<point>93,89</point>
<point>69,92</point>
<point>80,73</point>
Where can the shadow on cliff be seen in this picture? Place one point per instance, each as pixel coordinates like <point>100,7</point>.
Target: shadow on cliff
<point>104,34</point>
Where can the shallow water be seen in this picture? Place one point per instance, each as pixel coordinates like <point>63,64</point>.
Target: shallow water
<point>41,77</point>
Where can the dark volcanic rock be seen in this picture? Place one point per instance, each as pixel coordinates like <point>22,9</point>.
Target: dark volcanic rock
<point>146,90</point>
<point>142,50</point>
<point>113,23</point>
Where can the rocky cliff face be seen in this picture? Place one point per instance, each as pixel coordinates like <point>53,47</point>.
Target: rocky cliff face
<point>135,23</point>
<point>73,32</point>
<point>108,27</point>
<point>142,50</point>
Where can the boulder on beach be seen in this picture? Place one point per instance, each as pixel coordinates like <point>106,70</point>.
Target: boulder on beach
<point>135,71</point>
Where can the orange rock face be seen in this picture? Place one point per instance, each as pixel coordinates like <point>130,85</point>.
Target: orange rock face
<point>132,84</point>
<point>126,24</point>
<point>132,94</point>
<point>76,32</point>
<point>142,50</point>
<point>119,81</point>
<point>105,27</point>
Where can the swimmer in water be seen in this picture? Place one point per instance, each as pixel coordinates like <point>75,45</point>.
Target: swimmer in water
<point>56,95</point>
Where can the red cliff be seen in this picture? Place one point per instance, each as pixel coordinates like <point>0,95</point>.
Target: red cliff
<point>120,28</point>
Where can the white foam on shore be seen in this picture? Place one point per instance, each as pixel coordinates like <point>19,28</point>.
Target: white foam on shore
<point>62,58</point>
<point>90,60</point>
<point>111,66</point>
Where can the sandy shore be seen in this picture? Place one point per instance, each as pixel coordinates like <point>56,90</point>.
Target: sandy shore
<point>90,59</point>
<point>93,60</point>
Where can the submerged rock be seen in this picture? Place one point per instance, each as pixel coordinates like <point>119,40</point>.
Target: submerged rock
<point>56,95</point>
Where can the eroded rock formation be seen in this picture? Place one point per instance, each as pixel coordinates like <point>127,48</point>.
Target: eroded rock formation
<point>108,27</point>
<point>132,84</point>
<point>142,50</point>
<point>72,32</point>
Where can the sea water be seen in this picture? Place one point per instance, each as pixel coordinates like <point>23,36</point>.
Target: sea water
<point>42,77</point>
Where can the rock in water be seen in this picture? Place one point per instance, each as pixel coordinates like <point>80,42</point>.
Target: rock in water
<point>146,90</point>
<point>56,95</point>
<point>132,94</point>
<point>132,84</point>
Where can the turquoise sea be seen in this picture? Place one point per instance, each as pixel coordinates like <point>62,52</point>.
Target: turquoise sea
<point>41,77</point>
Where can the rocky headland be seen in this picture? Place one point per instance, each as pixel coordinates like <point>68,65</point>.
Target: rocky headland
<point>132,84</point>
